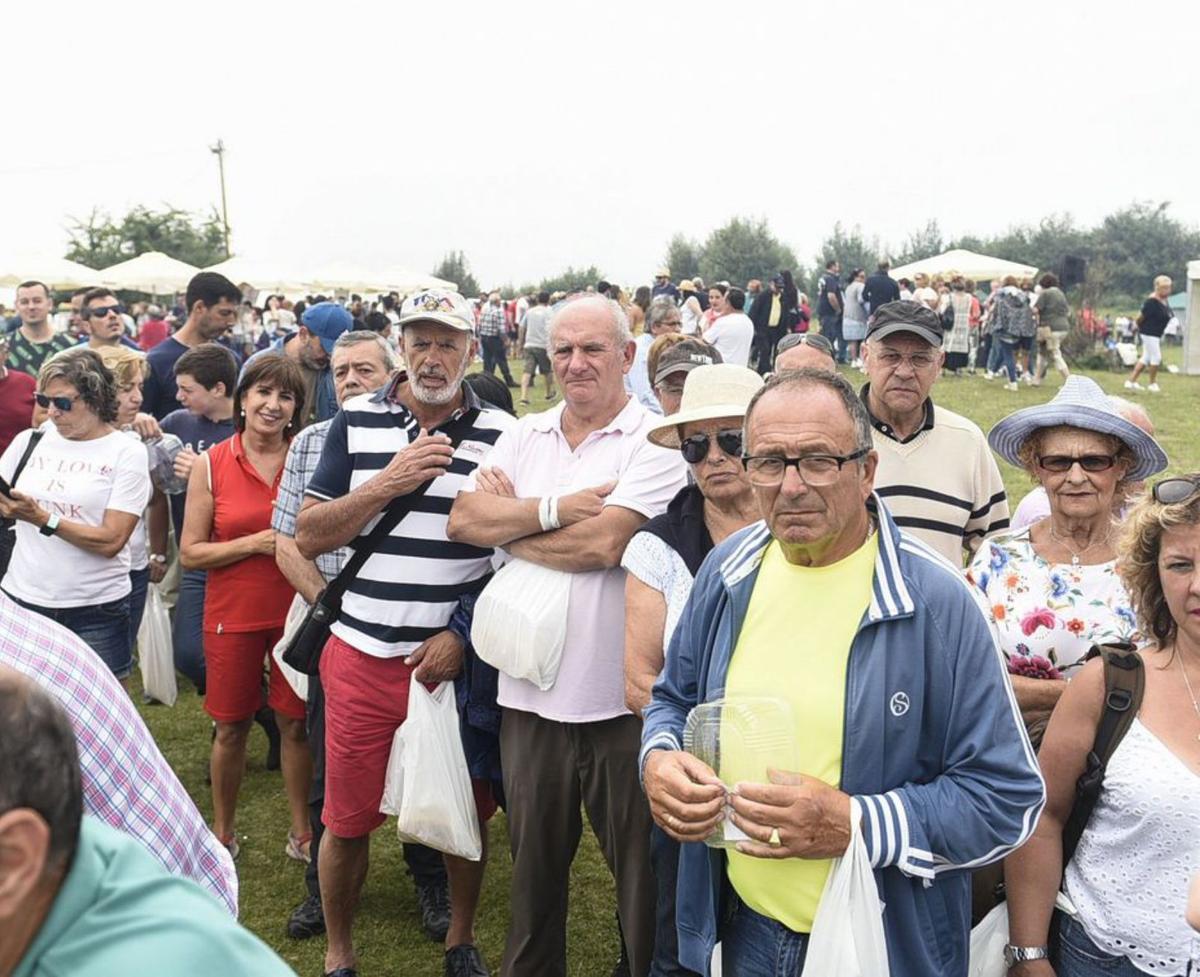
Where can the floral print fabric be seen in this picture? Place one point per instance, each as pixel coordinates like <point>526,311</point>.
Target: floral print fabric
<point>1054,611</point>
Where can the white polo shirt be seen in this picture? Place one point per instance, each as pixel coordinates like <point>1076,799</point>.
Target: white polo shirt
<point>535,456</point>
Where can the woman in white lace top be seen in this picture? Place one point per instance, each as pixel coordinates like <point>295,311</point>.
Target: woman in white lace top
<point>1129,877</point>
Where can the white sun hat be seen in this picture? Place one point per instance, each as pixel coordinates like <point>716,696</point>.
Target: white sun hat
<point>710,392</point>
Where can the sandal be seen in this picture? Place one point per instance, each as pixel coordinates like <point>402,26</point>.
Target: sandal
<point>231,845</point>
<point>299,847</point>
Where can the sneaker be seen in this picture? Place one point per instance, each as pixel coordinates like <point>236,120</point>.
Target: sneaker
<point>231,845</point>
<point>464,961</point>
<point>1012,386</point>
<point>1130,385</point>
<point>307,920</point>
<point>988,375</point>
<point>1154,388</point>
<point>299,848</point>
<point>434,901</point>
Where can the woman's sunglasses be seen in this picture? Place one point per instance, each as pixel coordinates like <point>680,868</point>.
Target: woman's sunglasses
<point>1173,491</point>
<point>63,404</point>
<point>1089,463</point>
<point>695,448</point>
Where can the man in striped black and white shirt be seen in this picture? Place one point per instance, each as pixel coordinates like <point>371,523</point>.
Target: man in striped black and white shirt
<point>936,471</point>
<point>424,426</point>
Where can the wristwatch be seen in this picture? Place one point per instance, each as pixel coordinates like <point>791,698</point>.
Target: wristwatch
<point>158,558</point>
<point>51,526</point>
<point>1014,955</point>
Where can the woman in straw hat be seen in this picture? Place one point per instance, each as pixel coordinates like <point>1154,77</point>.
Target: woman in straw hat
<point>1052,587</point>
<point>663,557</point>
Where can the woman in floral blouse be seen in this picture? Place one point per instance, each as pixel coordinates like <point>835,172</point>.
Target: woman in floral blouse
<point>1052,588</point>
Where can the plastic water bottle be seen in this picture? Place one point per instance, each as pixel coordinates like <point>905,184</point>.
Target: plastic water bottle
<point>162,465</point>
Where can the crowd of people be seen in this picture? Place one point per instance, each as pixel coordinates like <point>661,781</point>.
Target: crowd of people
<point>723,517</point>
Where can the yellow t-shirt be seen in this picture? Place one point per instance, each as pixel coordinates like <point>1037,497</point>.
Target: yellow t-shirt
<point>776,312</point>
<point>795,645</point>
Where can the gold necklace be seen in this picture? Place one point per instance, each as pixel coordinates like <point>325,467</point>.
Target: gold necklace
<point>1070,549</point>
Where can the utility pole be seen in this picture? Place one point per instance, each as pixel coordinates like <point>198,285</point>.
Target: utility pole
<point>219,151</point>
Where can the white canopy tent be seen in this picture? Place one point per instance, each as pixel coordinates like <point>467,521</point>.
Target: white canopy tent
<point>58,273</point>
<point>969,264</point>
<point>349,276</point>
<point>153,272</point>
<point>263,276</point>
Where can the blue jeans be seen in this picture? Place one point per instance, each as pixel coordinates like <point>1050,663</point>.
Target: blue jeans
<point>664,860</point>
<point>1002,356</point>
<point>187,630</point>
<point>104,627</point>
<point>755,946</point>
<point>139,580</point>
<point>1078,956</point>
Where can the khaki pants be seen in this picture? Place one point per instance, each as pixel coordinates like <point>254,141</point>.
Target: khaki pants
<point>550,770</point>
<point>1048,350</point>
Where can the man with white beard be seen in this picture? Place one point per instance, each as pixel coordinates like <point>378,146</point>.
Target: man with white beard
<point>411,444</point>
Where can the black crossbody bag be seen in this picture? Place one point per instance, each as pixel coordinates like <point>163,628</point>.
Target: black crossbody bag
<point>303,652</point>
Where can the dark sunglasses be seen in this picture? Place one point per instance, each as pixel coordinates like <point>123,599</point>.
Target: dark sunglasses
<point>1173,491</point>
<point>103,311</point>
<point>695,448</point>
<point>63,404</point>
<point>1089,463</point>
<point>813,339</point>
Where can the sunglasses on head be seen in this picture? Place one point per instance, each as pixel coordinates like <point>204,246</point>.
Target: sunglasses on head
<point>1172,491</point>
<point>103,311</point>
<point>695,448</point>
<point>813,339</point>
<point>63,404</point>
<point>1089,463</point>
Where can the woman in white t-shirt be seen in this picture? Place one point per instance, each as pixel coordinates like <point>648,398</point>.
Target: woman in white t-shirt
<point>76,503</point>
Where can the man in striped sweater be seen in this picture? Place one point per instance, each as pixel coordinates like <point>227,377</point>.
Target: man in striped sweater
<point>935,469</point>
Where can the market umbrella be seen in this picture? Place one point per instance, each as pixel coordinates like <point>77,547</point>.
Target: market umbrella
<point>58,273</point>
<point>153,272</point>
<point>350,276</point>
<point>264,276</point>
<point>969,264</point>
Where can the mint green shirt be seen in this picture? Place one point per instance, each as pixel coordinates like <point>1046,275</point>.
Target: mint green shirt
<point>120,912</point>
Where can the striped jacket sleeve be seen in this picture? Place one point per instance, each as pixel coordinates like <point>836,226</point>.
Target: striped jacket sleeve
<point>989,508</point>
<point>986,802</point>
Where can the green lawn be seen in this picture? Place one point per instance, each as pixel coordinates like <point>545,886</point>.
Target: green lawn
<point>388,937</point>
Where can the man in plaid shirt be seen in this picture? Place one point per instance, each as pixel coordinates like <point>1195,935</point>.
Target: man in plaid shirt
<point>492,324</point>
<point>127,783</point>
<point>362,362</point>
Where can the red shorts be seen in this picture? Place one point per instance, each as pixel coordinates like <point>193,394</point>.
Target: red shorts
<point>234,665</point>
<point>366,700</point>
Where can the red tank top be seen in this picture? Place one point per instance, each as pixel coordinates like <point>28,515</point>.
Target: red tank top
<point>252,594</point>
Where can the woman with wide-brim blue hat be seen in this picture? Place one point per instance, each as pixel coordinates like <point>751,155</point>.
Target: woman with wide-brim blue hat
<point>1052,588</point>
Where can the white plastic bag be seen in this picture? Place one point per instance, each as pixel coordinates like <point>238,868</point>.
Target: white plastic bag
<point>520,622</point>
<point>156,651</point>
<point>427,785</point>
<point>295,617</point>
<point>847,934</point>
<point>988,940</point>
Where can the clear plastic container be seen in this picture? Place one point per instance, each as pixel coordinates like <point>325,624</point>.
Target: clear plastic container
<point>740,738</point>
<point>162,464</point>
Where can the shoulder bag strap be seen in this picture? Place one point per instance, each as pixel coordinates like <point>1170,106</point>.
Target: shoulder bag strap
<point>24,460</point>
<point>396,510</point>
<point>1124,682</point>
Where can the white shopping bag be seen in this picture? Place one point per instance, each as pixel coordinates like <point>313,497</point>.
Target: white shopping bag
<point>988,941</point>
<point>427,785</point>
<point>520,622</point>
<point>156,651</point>
<point>295,617</point>
<point>847,934</point>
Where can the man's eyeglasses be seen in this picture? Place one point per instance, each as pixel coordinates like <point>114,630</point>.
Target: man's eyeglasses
<point>815,470</point>
<point>1173,491</point>
<point>1089,463</point>
<point>62,404</point>
<point>892,360</point>
<point>103,311</point>
<point>695,448</point>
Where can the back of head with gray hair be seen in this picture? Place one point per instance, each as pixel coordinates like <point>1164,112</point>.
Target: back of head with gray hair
<point>39,763</point>
<point>807,378</point>
<point>355,337</point>
<point>661,306</point>
<point>598,303</point>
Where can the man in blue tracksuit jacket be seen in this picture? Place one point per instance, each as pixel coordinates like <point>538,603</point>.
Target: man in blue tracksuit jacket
<point>934,753</point>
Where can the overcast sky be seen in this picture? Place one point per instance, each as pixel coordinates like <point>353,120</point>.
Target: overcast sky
<point>537,135</point>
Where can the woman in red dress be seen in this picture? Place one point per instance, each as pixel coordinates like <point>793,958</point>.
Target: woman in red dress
<point>227,532</point>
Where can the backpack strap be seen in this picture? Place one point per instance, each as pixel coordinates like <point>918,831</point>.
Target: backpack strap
<point>1124,683</point>
<point>34,438</point>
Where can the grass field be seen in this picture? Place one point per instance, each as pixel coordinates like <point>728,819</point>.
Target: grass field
<point>388,936</point>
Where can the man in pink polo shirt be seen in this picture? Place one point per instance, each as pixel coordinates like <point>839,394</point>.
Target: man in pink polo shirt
<point>576,742</point>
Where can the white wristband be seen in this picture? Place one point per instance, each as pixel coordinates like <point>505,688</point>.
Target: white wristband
<point>548,513</point>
